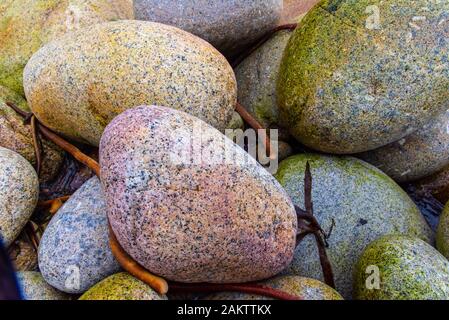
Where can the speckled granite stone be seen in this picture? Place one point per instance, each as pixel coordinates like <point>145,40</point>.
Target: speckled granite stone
<point>16,136</point>
<point>206,212</point>
<point>78,237</point>
<point>443,232</point>
<point>78,84</point>
<point>121,286</point>
<point>34,287</point>
<point>346,87</point>
<point>363,202</point>
<point>307,289</point>
<point>229,25</point>
<point>19,189</point>
<point>416,156</point>
<point>409,269</point>
<point>295,10</point>
<point>25,25</point>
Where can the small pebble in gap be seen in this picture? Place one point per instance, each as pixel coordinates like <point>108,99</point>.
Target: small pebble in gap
<point>34,287</point>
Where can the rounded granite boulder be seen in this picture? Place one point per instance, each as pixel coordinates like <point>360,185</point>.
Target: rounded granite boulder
<point>304,288</point>
<point>358,75</point>
<point>79,83</point>
<point>353,200</point>
<point>443,232</point>
<point>34,287</point>
<point>190,205</point>
<point>121,286</point>
<point>416,156</point>
<point>76,242</point>
<point>229,25</point>
<point>26,25</point>
<point>19,190</point>
<point>397,267</point>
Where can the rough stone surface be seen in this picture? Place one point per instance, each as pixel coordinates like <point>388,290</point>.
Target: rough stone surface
<point>77,240</point>
<point>416,156</point>
<point>25,25</point>
<point>362,201</point>
<point>236,122</point>
<point>121,286</point>
<point>229,25</point>
<point>409,269</point>
<point>209,213</point>
<point>78,84</point>
<point>295,10</point>
<point>34,287</point>
<point>349,85</point>
<point>17,136</point>
<point>19,189</point>
<point>307,289</point>
<point>443,232</point>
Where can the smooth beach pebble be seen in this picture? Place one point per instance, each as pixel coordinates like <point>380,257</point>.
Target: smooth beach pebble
<point>121,286</point>
<point>354,200</point>
<point>188,204</point>
<point>305,288</point>
<point>26,25</point>
<point>19,189</point>
<point>407,269</point>
<point>443,232</point>
<point>34,287</point>
<point>416,156</point>
<point>351,81</point>
<point>79,83</point>
<point>17,136</point>
<point>77,241</point>
<point>229,25</point>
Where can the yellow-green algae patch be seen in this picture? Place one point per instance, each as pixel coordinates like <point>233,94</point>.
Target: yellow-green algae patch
<point>443,232</point>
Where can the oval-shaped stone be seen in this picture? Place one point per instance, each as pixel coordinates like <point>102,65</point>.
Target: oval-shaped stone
<point>190,205</point>
<point>304,288</point>
<point>19,190</point>
<point>409,269</point>
<point>77,240</point>
<point>443,232</point>
<point>26,25</point>
<point>17,136</point>
<point>416,156</point>
<point>79,83</point>
<point>121,286</point>
<point>341,84</point>
<point>353,200</point>
<point>229,25</point>
<point>34,287</point>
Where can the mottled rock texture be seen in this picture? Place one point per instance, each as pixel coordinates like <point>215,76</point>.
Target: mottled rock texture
<point>26,25</point>
<point>229,25</point>
<point>192,212</point>
<point>359,200</point>
<point>19,189</point>
<point>409,269</point>
<point>79,83</point>
<point>357,75</point>
<point>34,287</point>
<point>443,232</point>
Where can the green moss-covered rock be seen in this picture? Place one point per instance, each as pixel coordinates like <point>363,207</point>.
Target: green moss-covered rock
<point>341,84</point>
<point>409,269</point>
<point>25,25</point>
<point>359,200</point>
<point>121,286</point>
<point>34,287</point>
<point>443,232</point>
<point>305,288</point>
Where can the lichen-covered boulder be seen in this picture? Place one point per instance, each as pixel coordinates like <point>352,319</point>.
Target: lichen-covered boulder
<point>305,288</point>
<point>79,83</point>
<point>19,189</point>
<point>17,136</point>
<point>397,267</point>
<point>34,287</point>
<point>77,240</point>
<point>229,25</point>
<point>443,232</point>
<point>341,84</point>
<point>190,205</point>
<point>416,156</point>
<point>26,25</point>
<point>121,286</point>
<point>358,200</point>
